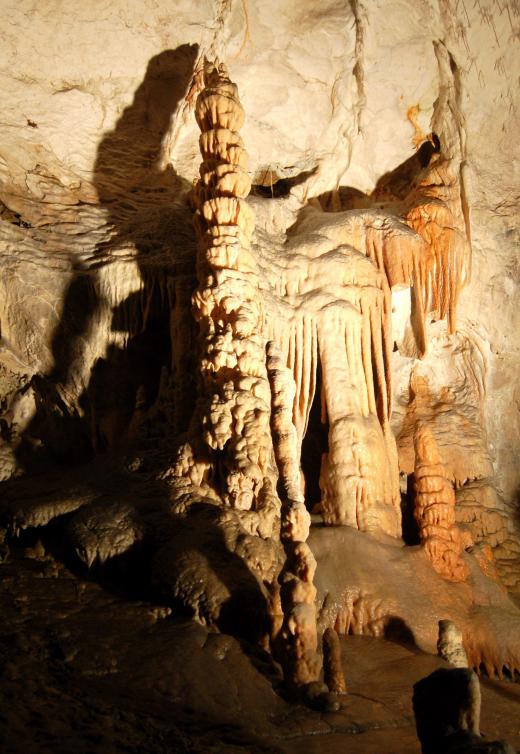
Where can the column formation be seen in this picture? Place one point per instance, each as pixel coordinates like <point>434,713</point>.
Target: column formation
<point>235,400</point>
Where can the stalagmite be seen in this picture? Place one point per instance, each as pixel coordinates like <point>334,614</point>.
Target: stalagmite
<point>298,648</point>
<point>450,646</point>
<point>234,404</point>
<point>434,509</point>
<point>246,341</point>
<point>246,394</point>
<point>446,703</point>
<point>332,665</point>
<point>296,641</point>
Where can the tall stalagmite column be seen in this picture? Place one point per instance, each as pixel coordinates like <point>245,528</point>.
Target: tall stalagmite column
<point>235,404</point>
<point>240,406</point>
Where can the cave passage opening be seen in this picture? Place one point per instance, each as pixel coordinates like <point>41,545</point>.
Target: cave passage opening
<point>410,528</point>
<point>315,443</point>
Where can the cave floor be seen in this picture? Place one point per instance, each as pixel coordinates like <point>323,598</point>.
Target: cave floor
<point>83,670</point>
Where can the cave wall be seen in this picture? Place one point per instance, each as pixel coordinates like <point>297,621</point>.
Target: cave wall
<point>99,147</point>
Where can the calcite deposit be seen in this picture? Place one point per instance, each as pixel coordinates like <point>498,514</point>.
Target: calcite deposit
<point>332,662</point>
<point>450,646</point>
<point>435,510</point>
<point>258,264</point>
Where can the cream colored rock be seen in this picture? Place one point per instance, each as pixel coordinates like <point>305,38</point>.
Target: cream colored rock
<point>450,646</point>
<point>237,419</point>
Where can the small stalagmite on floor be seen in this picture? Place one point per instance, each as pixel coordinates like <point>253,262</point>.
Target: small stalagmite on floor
<point>450,646</point>
<point>332,665</point>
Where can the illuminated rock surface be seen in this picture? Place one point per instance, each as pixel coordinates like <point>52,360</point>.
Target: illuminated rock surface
<point>310,306</point>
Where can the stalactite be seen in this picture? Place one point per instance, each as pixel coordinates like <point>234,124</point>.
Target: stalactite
<point>402,255</point>
<point>445,411</point>
<point>360,614</point>
<point>435,213</point>
<point>435,509</point>
<point>427,249</point>
<point>333,314</point>
<point>355,484</point>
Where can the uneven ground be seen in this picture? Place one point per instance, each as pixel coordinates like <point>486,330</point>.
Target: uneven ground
<point>85,670</point>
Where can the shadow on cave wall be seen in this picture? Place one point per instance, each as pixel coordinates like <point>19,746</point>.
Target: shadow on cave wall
<point>145,209</point>
<point>392,187</point>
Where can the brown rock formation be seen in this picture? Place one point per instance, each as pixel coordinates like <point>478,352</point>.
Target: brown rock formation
<point>332,665</point>
<point>292,608</point>
<point>234,407</point>
<point>298,645</point>
<point>436,215</point>
<point>434,509</point>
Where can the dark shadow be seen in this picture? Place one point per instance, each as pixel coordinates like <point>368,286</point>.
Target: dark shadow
<point>55,431</point>
<point>399,632</point>
<point>391,187</point>
<point>446,707</point>
<point>173,549</point>
<point>197,543</point>
<point>314,445</point>
<point>410,529</point>
<point>281,187</point>
<point>146,210</point>
<point>399,181</point>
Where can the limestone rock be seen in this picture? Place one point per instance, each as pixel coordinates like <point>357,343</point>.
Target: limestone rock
<point>434,510</point>
<point>368,235</point>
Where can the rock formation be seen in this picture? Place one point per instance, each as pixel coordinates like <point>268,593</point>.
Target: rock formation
<point>332,665</point>
<point>298,636</point>
<point>450,646</point>
<point>335,305</point>
<point>228,346</point>
<point>233,410</point>
<point>447,714</point>
<point>445,702</point>
<point>295,639</point>
<point>435,510</point>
